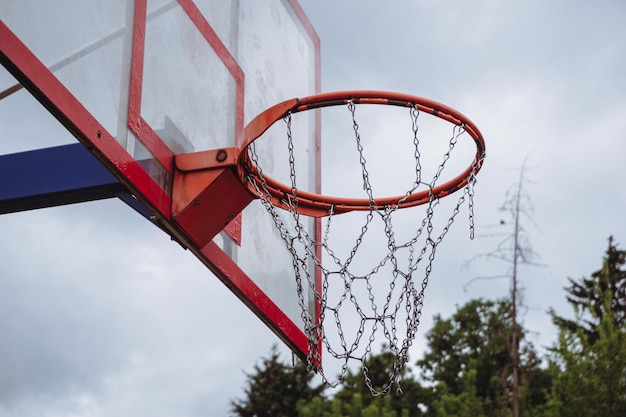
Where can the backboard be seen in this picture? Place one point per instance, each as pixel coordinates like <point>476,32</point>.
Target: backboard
<point>159,91</point>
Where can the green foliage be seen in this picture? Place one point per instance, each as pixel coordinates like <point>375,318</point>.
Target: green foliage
<point>589,367</point>
<point>351,407</point>
<point>467,403</point>
<point>275,389</point>
<point>469,362</point>
<point>317,407</point>
<point>586,296</point>
<point>355,398</point>
<point>467,366</point>
<point>477,332</point>
<point>588,362</point>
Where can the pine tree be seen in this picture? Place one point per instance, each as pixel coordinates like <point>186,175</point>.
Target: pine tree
<point>585,295</point>
<point>589,368</point>
<point>588,363</point>
<point>275,389</point>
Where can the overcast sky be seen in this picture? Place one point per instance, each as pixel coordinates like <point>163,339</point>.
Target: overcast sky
<point>101,314</point>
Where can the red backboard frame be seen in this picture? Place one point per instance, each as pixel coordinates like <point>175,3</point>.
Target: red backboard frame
<point>22,63</point>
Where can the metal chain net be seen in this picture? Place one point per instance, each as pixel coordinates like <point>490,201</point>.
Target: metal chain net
<point>397,316</point>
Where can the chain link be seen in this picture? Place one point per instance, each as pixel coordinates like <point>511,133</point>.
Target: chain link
<point>410,301</point>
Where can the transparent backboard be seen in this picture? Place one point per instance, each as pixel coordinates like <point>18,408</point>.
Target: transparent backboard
<point>139,82</point>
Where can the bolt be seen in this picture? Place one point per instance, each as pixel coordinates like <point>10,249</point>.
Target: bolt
<point>221,155</point>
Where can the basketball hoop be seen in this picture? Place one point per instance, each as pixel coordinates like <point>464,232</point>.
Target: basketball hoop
<point>317,205</point>
<point>401,261</point>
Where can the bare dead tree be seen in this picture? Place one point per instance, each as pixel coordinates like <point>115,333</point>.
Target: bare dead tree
<point>515,249</point>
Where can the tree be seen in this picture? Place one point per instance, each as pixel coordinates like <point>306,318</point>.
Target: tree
<point>467,403</point>
<point>588,362</point>
<point>355,399</point>
<point>402,401</point>
<point>477,331</point>
<point>275,389</point>
<point>354,408</point>
<point>468,362</point>
<point>589,368</point>
<point>516,250</point>
<point>586,296</point>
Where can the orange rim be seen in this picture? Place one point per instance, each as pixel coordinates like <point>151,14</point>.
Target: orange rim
<point>319,205</point>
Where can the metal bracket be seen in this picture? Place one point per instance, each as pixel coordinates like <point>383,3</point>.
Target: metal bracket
<point>207,194</point>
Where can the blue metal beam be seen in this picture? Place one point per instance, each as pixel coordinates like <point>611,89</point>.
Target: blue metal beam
<point>57,176</point>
